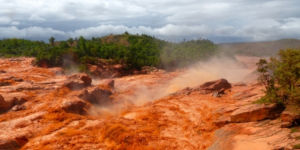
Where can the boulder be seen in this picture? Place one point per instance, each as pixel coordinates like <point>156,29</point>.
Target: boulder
<point>74,105</point>
<point>110,83</point>
<point>256,112</point>
<point>289,118</point>
<point>97,95</point>
<point>217,85</point>
<point>78,81</point>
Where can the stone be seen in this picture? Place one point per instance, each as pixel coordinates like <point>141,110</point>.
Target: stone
<point>74,105</point>
<point>256,112</point>
<point>97,95</point>
<point>110,83</point>
<point>217,85</point>
<point>78,81</point>
<point>290,118</point>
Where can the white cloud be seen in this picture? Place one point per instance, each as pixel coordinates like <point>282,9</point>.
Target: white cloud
<point>251,20</point>
<point>30,32</point>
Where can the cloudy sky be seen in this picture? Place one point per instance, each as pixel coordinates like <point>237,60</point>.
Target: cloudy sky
<point>217,20</point>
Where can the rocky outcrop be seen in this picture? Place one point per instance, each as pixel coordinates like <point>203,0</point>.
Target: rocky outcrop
<point>74,105</point>
<point>78,81</point>
<point>217,85</point>
<point>255,112</point>
<point>97,95</point>
<point>289,118</point>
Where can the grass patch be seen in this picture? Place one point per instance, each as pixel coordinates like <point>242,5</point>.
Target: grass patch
<point>262,100</point>
<point>297,146</point>
<point>293,130</point>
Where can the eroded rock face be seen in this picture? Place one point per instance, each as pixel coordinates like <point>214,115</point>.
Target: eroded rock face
<point>97,95</point>
<point>78,81</point>
<point>255,112</point>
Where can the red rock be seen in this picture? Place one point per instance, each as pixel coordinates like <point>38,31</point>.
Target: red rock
<point>78,81</point>
<point>289,118</point>
<point>15,98</point>
<point>255,112</point>
<point>97,95</point>
<point>110,83</point>
<point>217,85</point>
<point>74,105</point>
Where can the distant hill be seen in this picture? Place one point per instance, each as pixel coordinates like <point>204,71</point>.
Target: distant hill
<point>269,48</point>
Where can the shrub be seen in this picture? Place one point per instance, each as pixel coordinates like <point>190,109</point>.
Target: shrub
<point>281,77</point>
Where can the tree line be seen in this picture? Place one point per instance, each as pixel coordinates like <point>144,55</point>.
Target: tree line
<point>134,51</point>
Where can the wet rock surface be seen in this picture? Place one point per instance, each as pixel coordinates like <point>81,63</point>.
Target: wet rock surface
<point>97,95</point>
<point>78,81</point>
<point>48,109</point>
<point>256,112</point>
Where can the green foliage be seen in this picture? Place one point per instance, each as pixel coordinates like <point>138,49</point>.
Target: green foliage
<point>185,53</point>
<point>51,40</point>
<point>293,130</point>
<point>281,77</point>
<point>133,51</point>
<point>297,146</point>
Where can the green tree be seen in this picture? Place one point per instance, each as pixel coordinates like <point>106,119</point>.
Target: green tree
<point>51,40</point>
<point>281,77</point>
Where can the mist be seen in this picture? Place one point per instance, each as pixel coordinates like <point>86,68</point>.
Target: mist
<point>232,69</point>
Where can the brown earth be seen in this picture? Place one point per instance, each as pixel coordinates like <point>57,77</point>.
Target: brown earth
<point>44,109</point>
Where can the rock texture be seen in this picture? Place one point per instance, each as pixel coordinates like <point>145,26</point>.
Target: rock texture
<point>255,112</point>
<point>97,95</point>
<point>78,81</point>
<point>46,109</point>
<point>74,105</point>
<point>4,106</point>
<point>290,118</point>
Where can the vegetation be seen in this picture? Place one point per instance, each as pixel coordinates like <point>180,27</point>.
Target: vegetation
<point>281,77</point>
<point>270,48</point>
<point>297,146</point>
<point>134,51</point>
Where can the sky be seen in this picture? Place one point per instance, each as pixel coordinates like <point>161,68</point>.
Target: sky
<point>174,20</point>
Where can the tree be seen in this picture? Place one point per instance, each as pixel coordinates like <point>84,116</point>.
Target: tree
<point>281,77</point>
<point>70,41</point>
<point>51,40</point>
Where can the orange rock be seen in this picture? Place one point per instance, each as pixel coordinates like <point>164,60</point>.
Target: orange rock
<point>256,112</point>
